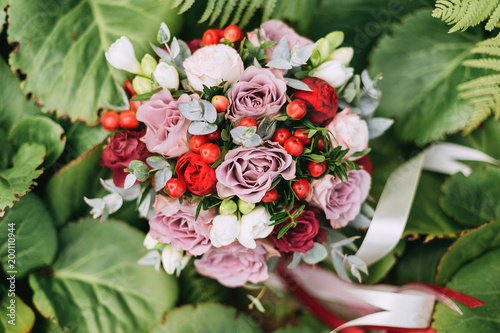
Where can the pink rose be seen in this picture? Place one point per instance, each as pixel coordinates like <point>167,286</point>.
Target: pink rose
<point>275,30</point>
<point>250,172</point>
<point>341,200</point>
<point>213,64</point>
<point>174,223</point>
<point>349,131</point>
<point>166,127</point>
<point>234,265</point>
<point>257,94</point>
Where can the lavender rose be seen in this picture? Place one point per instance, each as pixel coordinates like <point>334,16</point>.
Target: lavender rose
<point>234,265</point>
<point>174,223</point>
<point>341,200</point>
<point>275,30</point>
<point>166,127</point>
<point>213,64</point>
<point>250,172</point>
<point>257,94</point>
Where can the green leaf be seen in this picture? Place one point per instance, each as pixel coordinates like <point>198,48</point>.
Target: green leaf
<point>485,138</point>
<point>206,318</point>
<point>468,247</point>
<point>62,53</point>
<point>426,217</point>
<point>35,240</point>
<point>40,129</point>
<point>195,288</point>
<point>24,316</point>
<point>96,272</point>
<point>382,267</point>
<point>3,4</point>
<point>421,78</point>
<point>67,187</point>
<point>479,279</point>
<point>473,200</point>
<point>363,22</point>
<point>81,138</point>
<point>17,180</point>
<point>13,104</point>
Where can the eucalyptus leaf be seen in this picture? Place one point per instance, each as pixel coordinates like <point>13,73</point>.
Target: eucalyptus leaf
<point>281,51</point>
<point>175,49</point>
<point>297,84</point>
<point>377,126</point>
<point>184,53</point>
<point>368,105</point>
<point>316,254</point>
<point>279,64</point>
<point>209,111</point>
<point>163,34</point>
<point>161,178</point>
<point>129,181</point>
<point>201,128</point>
<point>191,110</point>
<point>157,162</point>
<point>160,52</point>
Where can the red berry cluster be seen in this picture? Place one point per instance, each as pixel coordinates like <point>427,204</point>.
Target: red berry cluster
<point>112,120</point>
<point>231,34</point>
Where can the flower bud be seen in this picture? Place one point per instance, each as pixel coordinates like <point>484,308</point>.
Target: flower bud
<point>149,242</point>
<point>148,65</point>
<point>166,76</point>
<point>245,207</point>
<point>335,39</point>
<point>227,207</point>
<point>121,55</point>
<point>321,52</point>
<point>344,55</point>
<point>333,72</point>
<point>174,259</point>
<point>141,85</point>
<point>254,225</point>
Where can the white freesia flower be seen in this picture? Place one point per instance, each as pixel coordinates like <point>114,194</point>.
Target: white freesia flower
<point>254,225</point>
<point>174,259</point>
<point>334,72</point>
<point>343,54</point>
<point>166,76</point>
<point>349,131</point>
<point>225,230</point>
<point>121,55</point>
<point>149,242</point>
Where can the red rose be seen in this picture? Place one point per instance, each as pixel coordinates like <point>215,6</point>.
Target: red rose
<point>194,45</point>
<point>321,101</point>
<point>198,175</point>
<point>123,148</point>
<point>298,239</point>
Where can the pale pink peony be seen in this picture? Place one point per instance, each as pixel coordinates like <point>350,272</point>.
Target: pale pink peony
<point>349,131</point>
<point>258,93</point>
<point>249,172</point>
<point>275,30</point>
<point>213,64</point>
<point>174,223</point>
<point>234,265</point>
<point>341,200</point>
<point>166,127</point>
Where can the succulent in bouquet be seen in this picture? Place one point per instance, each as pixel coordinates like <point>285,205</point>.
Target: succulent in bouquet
<point>241,148</point>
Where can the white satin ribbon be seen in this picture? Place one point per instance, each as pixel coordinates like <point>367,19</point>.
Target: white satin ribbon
<point>393,209</point>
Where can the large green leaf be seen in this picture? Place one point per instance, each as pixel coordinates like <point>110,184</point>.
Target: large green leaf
<point>484,138</point>
<point>473,200</point>
<point>18,179</point>
<point>67,187</point>
<point>97,285</point>
<point>13,104</point>
<point>206,318</point>
<point>479,279</point>
<point>421,66</point>
<point>426,217</point>
<point>81,138</point>
<point>40,129</point>
<point>196,288</point>
<point>468,247</point>
<point>35,236</point>
<point>61,49</point>
<point>362,21</point>
<point>3,4</point>
<point>23,315</point>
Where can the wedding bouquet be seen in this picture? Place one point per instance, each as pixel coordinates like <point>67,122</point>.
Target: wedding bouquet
<point>251,146</point>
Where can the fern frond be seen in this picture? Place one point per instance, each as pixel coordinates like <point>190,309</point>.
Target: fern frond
<point>479,115</point>
<point>227,12</point>
<point>487,63</point>
<point>208,11</point>
<point>270,5</point>
<point>252,8</point>
<point>241,6</point>
<point>217,10</point>
<point>187,4</point>
<point>477,92</point>
<point>468,13</point>
<point>490,80</point>
<point>491,50</point>
<point>176,3</point>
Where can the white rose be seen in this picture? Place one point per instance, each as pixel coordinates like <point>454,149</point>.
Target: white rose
<point>166,76</point>
<point>333,72</point>
<point>254,225</point>
<point>121,55</point>
<point>225,230</point>
<point>343,54</point>
<point>174,259</point>
<point>349,131</point>
<point>213,64</point>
